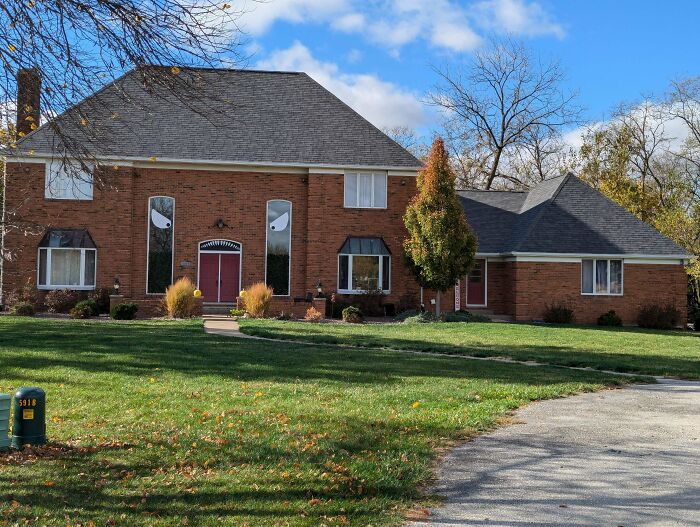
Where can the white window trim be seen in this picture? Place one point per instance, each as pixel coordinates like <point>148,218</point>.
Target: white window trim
<point>381,273</point>
<point>49,286</point>
<point>357,191</point>
<point>148,241</point>
<point>267,226</point>
<point>47,183</point>
<point>595,272</point>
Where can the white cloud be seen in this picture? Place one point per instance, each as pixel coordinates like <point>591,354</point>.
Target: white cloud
<point>517,17</point>
<point>382,103</point>
<point>354,55</point>
<point>444,24</point>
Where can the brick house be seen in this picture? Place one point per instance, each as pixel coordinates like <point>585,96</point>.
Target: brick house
<point>266,176</point>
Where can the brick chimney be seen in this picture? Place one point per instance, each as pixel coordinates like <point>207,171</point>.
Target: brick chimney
<point>28,100</point>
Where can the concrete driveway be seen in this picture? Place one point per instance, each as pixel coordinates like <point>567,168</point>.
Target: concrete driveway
<point>627,457</point>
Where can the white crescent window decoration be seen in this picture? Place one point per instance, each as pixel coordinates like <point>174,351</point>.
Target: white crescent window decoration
<point>159,220</point>
<point>280,223</point>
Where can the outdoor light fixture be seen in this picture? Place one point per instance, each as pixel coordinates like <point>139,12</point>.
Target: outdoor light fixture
<point>117,285</point>
<point>319,289</point>
<point>220,223</point>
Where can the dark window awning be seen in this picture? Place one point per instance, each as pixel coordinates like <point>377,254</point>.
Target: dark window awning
<point>68,238</point>
<point>363,245</point>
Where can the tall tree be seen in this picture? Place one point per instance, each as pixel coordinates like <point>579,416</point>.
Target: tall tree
<point>501,102</point>
<point>440,246</point>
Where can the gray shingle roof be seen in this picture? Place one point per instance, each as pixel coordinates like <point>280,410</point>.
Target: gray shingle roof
<point>560,216</point>
<point>240,116</point>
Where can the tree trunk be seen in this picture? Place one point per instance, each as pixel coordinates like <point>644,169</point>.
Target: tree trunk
<point>494,168</point>
<point>437,304</point>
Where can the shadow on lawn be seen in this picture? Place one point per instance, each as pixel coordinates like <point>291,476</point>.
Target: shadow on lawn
<point>643,364</point>
<point>137,349</point>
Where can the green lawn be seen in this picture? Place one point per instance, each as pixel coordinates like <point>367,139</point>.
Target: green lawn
<point>673,353</point>
<point>156,423</point>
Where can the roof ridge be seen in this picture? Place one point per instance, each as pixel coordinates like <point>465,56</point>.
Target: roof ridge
<point>493,190</point>
<point>543,207</point>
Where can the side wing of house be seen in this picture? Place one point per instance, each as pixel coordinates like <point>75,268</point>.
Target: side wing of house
<point>565,243</point>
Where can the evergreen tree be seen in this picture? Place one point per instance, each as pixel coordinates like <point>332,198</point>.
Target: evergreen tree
<point>440,246</point>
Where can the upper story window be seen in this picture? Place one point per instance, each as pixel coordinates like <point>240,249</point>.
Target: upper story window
<point>601,277</point>
<point>67,259</point>
<point>67,181</point>
<point>365,190</point>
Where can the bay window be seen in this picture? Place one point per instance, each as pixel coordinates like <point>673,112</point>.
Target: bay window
<point>601,277</point>
<point>364,264</point>
<point>365,190</point>
<point>67,260</point>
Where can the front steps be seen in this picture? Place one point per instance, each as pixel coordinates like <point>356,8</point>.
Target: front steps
<point>217,309</point>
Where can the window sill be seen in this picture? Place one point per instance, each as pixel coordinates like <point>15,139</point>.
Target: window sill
<point>47,198</point>
<point>365,208</point>
<point>69,287</point>
<point>602,294</point>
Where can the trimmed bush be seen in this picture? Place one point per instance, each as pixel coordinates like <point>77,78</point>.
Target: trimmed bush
<point>610,319</point>
<point>237,312</point>
<point>313,315</point>
<point>401,317</point>
<point>27,294</point>
<point>558,314</point>
<point>179,299</point>
<point>658,317</point>
<point>62,300</point>
<point>23,309</point>
<point>125,311</point>
<point>101,298</point>
<point>84,309</point>
<point>465,316</point>
<point>421,318</point>
<point>284,315</point>
<point>257,299</point>
<point>696,324</point>
<point>353,315</point>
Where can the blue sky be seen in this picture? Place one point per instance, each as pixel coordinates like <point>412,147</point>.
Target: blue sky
<point>377,55</point>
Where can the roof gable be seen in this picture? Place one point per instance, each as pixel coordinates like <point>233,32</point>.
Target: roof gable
<point>237,116</point>
<point>564,216</point>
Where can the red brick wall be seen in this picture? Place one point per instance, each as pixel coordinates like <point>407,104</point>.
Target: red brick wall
<point>117,221</point>
<point>537,284</point>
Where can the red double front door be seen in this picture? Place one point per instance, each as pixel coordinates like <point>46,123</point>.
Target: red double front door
<point>219,276</point>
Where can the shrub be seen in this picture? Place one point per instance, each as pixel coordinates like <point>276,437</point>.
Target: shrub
<point>696,324</point>
<point>125,311</point>
<point>658,317</point>
<point>25,294</point>
<point>237,312</point>
<point>353,315</point>
<point>370,302</point>
<point>465,316</point>
<point>337,308</point>
<point>610,319</point>
<point>284,316</point>
<point>62,300</point>
<point>408,313</point>
<point>84,309</point>
<point>313,315</point>
<point>94,310</point>
<point>23,309</point>
<point>558,314</point>
<point>179,298</point>
<point>421,318</point>
<point>257,299</point>
<point>101,298</point>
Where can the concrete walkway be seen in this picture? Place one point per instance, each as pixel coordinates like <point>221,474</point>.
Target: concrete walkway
<point>626,458</point>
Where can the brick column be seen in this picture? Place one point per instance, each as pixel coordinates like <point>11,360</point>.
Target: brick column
<point>320,304</point>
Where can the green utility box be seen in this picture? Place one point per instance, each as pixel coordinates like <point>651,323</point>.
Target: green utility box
<point>29,422</point>
<point>5,402</point>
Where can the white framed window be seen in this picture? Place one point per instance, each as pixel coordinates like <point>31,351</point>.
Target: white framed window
<point>67,181</point>
<point>365,190</point>
<point>67,268</point>
<point>602,277</point>
<point>360,273</point>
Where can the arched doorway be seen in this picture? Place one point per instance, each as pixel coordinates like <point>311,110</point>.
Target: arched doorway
<point>219,270</point>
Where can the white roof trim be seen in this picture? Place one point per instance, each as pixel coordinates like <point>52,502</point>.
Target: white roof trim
<point>157,161</point>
